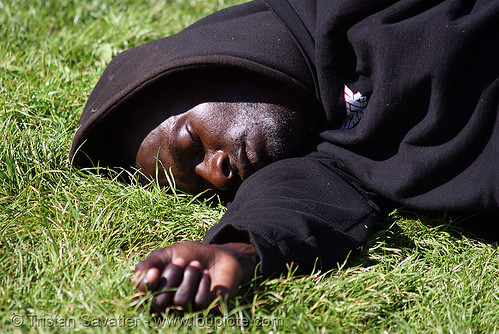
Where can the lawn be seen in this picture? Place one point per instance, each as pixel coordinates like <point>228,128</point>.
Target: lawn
<point>69,241</point>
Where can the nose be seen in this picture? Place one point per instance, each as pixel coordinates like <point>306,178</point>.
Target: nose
<point>216,169</point>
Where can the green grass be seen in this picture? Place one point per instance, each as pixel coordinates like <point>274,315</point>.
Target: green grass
<point>69,242</point>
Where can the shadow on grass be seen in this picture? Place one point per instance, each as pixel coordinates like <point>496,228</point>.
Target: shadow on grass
<point>480,226</point>
<point>483,227</point>
<point>398,231</point>
<point>388,234</point>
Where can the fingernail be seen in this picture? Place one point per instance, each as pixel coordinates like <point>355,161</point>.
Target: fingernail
<point>195,264</point>
<point>151,275</point>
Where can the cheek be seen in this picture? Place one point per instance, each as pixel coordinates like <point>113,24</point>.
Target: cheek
<point>143,161</point>
<point>149,165</point>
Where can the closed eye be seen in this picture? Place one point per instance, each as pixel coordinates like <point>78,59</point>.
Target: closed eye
<point>196,141</point>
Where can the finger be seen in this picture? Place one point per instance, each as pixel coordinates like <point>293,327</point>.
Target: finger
<point>147,272</point>
<point>184,296</point>
<point>151,279</point>
<point>170,279</point>
<point>158,258</point>
<point>147,281</point>
<point>202,298</point>
<point>137,277</point>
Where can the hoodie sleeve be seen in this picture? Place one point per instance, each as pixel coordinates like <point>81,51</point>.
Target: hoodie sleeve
<point>301,211</point>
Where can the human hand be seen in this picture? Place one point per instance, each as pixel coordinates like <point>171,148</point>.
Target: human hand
<point>193,274</point>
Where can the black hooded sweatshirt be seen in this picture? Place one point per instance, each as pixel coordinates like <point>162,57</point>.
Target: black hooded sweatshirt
<point>409,90</point>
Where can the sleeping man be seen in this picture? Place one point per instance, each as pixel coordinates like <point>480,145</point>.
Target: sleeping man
<point>312,119</point>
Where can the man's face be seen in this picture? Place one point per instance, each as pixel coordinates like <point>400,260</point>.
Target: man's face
<point>216,145</point>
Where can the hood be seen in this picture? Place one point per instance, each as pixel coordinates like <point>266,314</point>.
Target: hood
<point>247,37</point>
